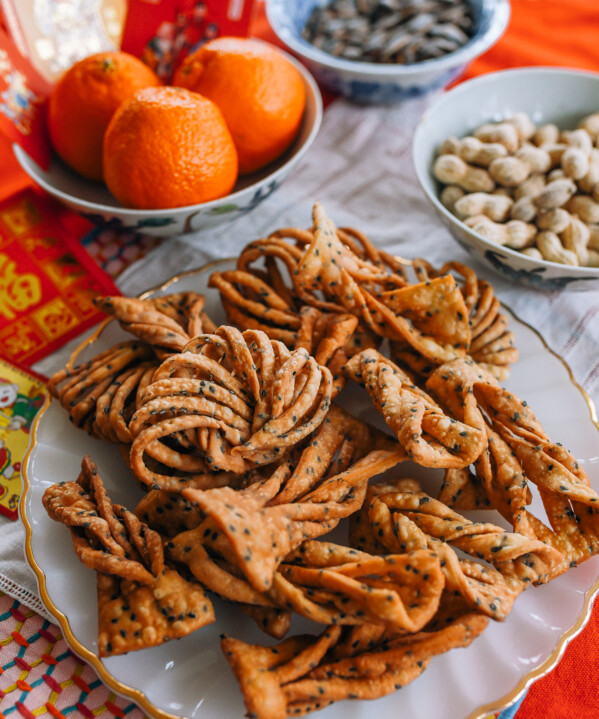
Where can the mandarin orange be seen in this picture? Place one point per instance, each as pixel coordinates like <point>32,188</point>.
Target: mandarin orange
<point>260,93</point>
<point>83,102</point>
<point>168,147</point>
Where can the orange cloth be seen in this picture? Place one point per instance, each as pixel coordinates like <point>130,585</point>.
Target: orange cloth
<point>570,690</point>
<point>546,32</point>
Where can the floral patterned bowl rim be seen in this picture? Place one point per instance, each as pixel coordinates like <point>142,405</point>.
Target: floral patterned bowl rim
<point>272,175</point>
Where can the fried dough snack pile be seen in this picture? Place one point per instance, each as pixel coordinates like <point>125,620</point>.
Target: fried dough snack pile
<point>248,462</point>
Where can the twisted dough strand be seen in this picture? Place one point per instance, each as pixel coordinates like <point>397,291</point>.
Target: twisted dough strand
<point>241,399</point>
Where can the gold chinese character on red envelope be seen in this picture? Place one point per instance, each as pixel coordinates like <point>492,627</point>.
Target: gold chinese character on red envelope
<point>56,317</point>
<point>21,339</point>
<point>18,290</point>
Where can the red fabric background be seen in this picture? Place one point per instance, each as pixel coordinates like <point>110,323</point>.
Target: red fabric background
<point>546,32</point>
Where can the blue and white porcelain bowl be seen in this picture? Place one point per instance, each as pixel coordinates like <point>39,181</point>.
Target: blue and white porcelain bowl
<point>547,95</point>
<point>367,82</point>
<point>94,201</point>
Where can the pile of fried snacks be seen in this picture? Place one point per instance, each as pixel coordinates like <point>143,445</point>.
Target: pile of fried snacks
<point>247,461</point>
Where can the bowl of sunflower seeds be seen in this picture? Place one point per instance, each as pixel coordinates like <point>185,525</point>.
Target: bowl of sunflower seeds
<point>386,51</point>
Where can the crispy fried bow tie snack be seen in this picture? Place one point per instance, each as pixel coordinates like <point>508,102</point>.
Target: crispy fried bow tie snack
<point>248,461</point>
<point>141,601</point>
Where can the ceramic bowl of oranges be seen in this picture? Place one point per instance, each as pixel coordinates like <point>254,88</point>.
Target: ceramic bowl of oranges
<point>132,153</point>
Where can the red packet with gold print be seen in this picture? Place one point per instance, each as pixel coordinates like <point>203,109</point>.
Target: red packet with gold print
<point>47,280</point>
<point>21,396</point>
<point>23,93</point>
<point>163,32</point>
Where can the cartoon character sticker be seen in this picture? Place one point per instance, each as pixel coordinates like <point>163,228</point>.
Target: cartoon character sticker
<point>16,409</point>
<point>21,396</point>
<point>7,468</point>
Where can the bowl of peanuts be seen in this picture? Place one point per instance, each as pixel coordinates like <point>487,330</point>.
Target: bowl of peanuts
<point>510,162</point>
<point>387,51</point>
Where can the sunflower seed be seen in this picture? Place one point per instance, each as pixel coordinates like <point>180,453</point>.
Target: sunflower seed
<point>421,23</point>
<point>352,52</point>
<point>395,43</point>
<point>449,32</point>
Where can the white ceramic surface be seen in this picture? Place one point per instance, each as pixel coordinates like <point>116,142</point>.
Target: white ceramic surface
<point>383,83</point>
<point>190,677</point>
<point>547,95</point>
<point>94,201</point>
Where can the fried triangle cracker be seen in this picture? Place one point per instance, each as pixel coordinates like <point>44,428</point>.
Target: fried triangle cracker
<point>374,674</point>
<point>415,517</point>
<point>333,269</point>
<point>261,671</point>
<point>436,308</point>
<point>492,343</point>
<point>141,602</point>
<point>133,616</point>
<point>259,537</point>
<point>99,531</point>
<point>571,504</point>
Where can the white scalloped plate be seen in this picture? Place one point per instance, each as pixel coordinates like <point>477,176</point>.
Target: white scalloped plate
<point>190,677</point>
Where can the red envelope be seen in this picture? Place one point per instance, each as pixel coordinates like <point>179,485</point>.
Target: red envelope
<point>47,280</point>
<point>163,32</point>
<point>23,93</point>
